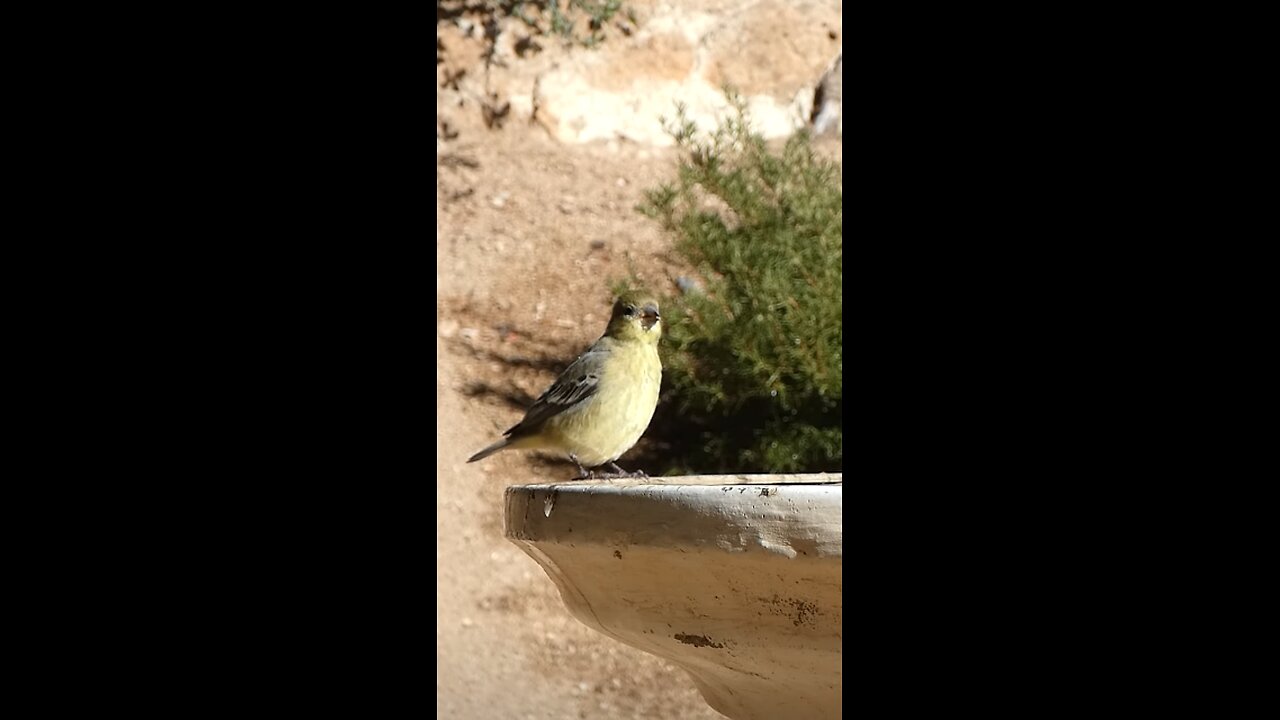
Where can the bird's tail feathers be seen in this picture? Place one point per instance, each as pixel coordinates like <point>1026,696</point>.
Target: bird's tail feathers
<point>489,450</point>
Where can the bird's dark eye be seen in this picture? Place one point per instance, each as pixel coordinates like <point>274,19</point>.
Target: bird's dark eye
<point>629,310</point>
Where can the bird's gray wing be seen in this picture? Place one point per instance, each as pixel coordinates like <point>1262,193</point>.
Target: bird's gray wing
<point>578,382</point>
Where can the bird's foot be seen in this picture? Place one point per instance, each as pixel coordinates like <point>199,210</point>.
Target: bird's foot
<point>620,473</point>
<point>616,472</point>
<point>583,473</point>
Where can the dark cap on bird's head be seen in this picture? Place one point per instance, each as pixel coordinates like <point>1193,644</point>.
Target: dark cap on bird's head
<point>637,305</point>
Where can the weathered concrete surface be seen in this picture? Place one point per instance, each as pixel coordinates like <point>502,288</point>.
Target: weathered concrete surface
<point>737,579</point>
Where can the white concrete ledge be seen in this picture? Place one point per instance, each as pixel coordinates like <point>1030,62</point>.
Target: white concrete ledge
<point>737,579</point>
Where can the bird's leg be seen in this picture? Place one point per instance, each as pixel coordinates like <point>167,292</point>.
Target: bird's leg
<point>583,473</point>
<point>619,472</point>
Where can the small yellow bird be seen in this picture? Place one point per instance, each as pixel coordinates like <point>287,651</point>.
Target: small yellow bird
<point>602,403</point>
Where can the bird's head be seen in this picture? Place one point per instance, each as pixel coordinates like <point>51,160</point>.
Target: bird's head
<point>635,317</point>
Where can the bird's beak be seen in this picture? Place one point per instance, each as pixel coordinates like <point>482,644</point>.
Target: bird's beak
<point>649,316</point>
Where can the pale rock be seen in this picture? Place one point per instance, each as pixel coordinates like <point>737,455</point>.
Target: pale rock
<point>772,51</point>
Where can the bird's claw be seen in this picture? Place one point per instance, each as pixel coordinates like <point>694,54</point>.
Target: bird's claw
<point>623,474</point>
<point>617,473</point>
<point>583,473</point>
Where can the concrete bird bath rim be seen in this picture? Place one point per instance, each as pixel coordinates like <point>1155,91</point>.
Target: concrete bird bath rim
<point>735,578</point>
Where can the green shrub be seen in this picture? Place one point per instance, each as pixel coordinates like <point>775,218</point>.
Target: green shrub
<point>755,360</point>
